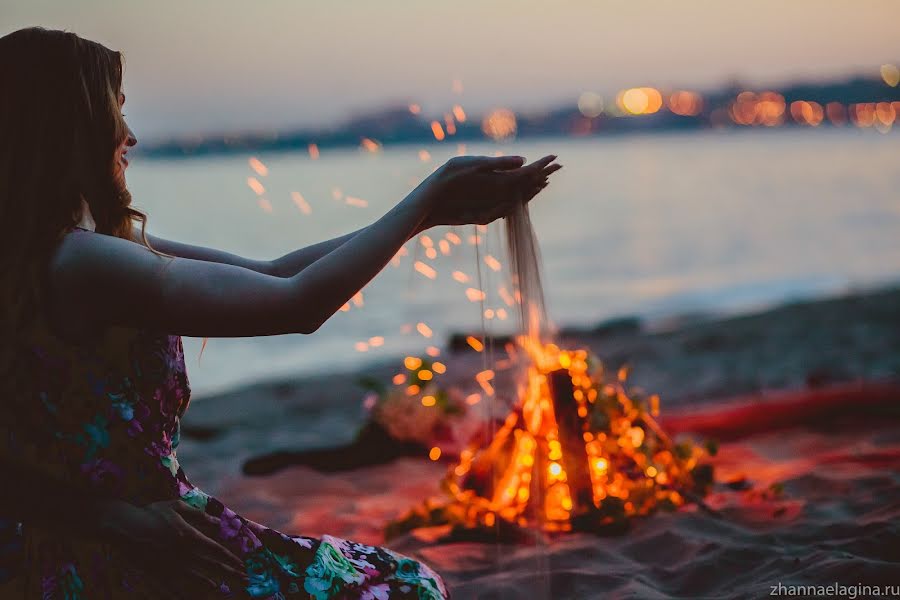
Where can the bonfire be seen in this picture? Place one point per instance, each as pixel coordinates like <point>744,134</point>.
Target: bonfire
<point>579,451</point>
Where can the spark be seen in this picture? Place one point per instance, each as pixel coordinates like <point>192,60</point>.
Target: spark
<point>428,401</point>
<point>473,399</point>
<point>459,113</point>
<point>475,295</point>
<point>439,368</point>
<point>426,241</point>
<point>301,203</point>
<point>256,186</point>
<point>437,130</point>
<point>425,270</point>
<point>345,307</point>
<point>484,378</point>
<point>492,262</point>
<point>434,453</point>
<point>358,202</point>
<point>453,238</point>
<point>257,165</point>
<point>361,347</point>
<point>506,296</point>
<point>370,145</point>
<point>396,259</point>
<point>336,193</point>
<point>501,314</point>
<point>444,245</point>
<point>475,343</point>
<point>433,351</point>
<point>376,341</point>
<point>425,375</point>
<point>399,379</point>
<point>431,253</point>
<point>357,299</point>
<point>424,329</point>
<point>415,109</point>
<point>450,124</point>
<point>313,151</point>
<point>412,362</point>
<point>489,313</point>
<point>424,155</point>
<point>265,205</point>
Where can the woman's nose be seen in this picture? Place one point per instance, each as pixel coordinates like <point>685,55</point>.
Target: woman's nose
<point>130,140</point>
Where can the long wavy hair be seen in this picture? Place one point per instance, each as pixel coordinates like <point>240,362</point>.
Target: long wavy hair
<point>60,127</point>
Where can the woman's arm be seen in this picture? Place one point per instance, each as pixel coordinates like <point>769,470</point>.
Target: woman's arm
<point>110,281</point>
<point>285,266</point>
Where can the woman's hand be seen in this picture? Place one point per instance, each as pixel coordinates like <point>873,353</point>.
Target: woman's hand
<point>481,189</point>
<point>169,537</point>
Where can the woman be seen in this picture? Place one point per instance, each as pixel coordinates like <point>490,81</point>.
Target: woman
<point>94,381</point>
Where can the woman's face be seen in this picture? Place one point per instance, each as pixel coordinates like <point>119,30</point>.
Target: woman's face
<point>121,162</point>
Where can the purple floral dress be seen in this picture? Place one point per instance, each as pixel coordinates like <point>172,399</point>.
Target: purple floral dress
<point>104,414</point>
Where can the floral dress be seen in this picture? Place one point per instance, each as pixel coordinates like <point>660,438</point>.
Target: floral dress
<point>104,414</point>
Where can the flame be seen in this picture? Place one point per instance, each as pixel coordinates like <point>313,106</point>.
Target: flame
<point>548,463</point>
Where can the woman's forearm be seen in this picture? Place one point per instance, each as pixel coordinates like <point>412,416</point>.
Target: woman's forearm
<point>292,263</point>
<point>324,286</point>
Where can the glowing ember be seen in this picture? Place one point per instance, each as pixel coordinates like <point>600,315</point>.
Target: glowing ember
<point>484,380</point>
<point>258,166</point>
<point>475,343</point>
<point>265,205</point>
<point>492,262</point>
<point>433,351</point>
<point>424,269</point>
<point>424,329</point>
<point>370,145</point>
<point>459,114</point>
<point>453,238</point>
<point>256,186</point>
<point>358,202</point>
<point>475,295</point>
<point>301,203</point>
<point>460,276</point>
<point>437,130</point>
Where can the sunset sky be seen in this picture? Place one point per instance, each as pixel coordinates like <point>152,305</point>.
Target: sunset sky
<point>221,65</point>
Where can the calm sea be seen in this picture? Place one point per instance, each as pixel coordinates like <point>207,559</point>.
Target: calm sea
<point>652,226</point>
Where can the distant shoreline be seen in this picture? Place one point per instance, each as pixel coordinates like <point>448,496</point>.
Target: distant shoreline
<point>398,125</point>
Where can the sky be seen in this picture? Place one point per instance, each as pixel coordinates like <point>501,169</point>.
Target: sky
<point>211,66</point>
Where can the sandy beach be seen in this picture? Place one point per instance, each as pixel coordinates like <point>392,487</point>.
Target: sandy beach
<point>803,401</point>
